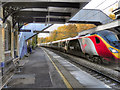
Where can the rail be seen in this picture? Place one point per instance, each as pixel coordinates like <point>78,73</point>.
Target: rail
<point>97,71</point>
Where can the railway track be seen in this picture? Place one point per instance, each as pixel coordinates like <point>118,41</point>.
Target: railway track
<point>113,83</point>
<point>108,79</point>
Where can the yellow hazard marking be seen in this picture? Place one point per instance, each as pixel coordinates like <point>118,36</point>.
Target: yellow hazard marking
<point>64,79</point>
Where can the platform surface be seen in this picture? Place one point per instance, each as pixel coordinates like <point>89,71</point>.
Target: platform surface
<point>37,72</point>
<point>45,69</point>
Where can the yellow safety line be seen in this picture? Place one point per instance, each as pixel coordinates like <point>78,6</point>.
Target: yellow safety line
<point>64,79</point>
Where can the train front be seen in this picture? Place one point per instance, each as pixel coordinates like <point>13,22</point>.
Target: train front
<point>112,42</point>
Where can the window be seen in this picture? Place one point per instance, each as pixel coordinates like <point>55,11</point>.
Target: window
<point>111,37</point>
<point>7,36</point>
<point>97,40</point>
<point>55,44</point>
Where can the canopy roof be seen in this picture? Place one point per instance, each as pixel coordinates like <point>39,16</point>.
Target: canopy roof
<point>41,11</point>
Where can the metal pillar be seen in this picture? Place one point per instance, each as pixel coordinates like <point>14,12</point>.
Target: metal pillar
<point>17,40</point>
<point>12,41</point>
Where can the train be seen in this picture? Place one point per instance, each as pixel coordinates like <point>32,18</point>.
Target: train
<point>100,46</point>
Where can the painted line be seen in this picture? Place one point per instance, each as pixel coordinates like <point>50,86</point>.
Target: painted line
<point>64,79</point>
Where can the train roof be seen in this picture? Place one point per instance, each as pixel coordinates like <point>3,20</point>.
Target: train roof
<point>103,32</point>
<point>56,41</point>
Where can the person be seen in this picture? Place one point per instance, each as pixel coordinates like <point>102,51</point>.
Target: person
<point>30,49</point>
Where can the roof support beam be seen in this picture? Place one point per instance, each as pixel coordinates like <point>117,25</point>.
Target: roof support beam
<point>42,4</point>
<point>77,1</point>
<point>40,14</point>
<point>40,20</point>
<point>36,31</point>
<point>41,11</point>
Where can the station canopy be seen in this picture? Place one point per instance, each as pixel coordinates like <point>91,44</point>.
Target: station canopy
<point>41,11</point>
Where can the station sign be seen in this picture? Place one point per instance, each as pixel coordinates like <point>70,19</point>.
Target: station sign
<point>1,22</point>
<point>41,32</point>
<point>2,64</point>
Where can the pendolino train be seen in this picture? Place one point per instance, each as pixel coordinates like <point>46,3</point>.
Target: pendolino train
<point>101,46</point>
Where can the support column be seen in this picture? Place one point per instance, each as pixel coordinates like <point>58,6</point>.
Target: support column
<point>17,40</point>
<point>2,56</point>
<point>12,37</point>
<point>12,42</point>
<point>18,44</point>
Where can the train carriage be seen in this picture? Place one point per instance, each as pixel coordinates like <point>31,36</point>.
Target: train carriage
<point>101,46</point>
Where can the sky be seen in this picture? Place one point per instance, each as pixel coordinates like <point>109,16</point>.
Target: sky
<point>103,5</point>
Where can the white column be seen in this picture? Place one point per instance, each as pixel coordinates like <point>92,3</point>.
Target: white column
<point>12,37</point>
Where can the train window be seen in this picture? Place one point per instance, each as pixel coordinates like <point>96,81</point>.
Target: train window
<point>97,40</point>
<point>55,44</point>
<point>111,37</point>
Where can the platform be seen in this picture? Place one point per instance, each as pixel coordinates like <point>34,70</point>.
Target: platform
<point>37,72</point>
<point>45,69</point>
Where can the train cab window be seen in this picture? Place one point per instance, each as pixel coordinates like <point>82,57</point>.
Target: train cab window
<point>97,40</point>
<point>55,44</point>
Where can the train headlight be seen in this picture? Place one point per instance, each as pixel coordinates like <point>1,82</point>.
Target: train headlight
<point>113,50</point>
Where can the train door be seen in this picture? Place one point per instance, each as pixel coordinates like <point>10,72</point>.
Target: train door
<point>63,46</point>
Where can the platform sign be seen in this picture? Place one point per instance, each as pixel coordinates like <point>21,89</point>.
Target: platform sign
<point>2,64</point>
<point>41,32</point>
<point>24,30</point>
<point>1,22</point>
